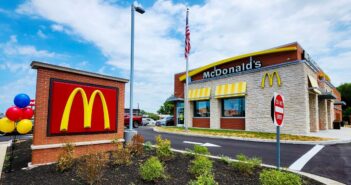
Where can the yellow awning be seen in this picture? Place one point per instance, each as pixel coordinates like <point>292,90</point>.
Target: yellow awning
<point>314,84</point>
<point>199,94</point>
<point>231,90</point>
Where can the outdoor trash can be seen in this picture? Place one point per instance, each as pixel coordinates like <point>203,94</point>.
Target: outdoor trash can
<point>336,125</point>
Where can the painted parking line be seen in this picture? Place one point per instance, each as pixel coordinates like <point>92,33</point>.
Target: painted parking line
<point>202,144</point>
<point>302,161</point>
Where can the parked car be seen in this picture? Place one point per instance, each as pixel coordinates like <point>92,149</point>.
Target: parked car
<point>148,121</point>
<point>137,120</point>
<point>166,121</point>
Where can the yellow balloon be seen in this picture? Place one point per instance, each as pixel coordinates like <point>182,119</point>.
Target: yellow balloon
<point>24,126</point>
<point>6,125</point>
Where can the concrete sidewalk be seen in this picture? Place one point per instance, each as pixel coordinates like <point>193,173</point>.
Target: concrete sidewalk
<point>3,148</point>
<point>344,134</point>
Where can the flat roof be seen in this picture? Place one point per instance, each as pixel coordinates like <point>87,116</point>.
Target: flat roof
<point>37,65</point>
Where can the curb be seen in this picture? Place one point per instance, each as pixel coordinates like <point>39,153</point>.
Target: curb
<point>332,142</point>
<point>320,179</point>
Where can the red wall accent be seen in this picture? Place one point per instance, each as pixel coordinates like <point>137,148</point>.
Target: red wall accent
<point>201,122</point>
<point>60,92</point>
<point>233,123</point>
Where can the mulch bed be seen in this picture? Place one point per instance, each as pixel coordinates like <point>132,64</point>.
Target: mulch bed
<point>176,169</point>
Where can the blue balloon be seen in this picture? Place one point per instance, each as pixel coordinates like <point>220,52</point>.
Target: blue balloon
<point>21,100</point>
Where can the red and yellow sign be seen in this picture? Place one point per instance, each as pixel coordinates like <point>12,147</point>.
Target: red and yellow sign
<point>77,108</point>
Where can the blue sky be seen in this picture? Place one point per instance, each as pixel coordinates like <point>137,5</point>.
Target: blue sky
<point>94,35</point>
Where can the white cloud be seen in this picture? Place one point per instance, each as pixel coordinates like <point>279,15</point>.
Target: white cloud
<point>57,27</point>
<point>13,48</point>
<point>219,29</point>
<point>41,34</point>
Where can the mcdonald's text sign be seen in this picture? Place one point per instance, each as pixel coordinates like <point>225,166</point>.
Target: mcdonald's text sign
<point>80,108</point>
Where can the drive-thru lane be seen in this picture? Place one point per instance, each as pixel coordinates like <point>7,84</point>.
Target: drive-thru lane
<point>228,147</point>
<point>333,161</point>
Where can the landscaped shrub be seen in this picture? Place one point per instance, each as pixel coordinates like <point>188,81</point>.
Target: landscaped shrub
<point>246,165</point>
<point>152,169</point>
<point>225,159</point>
<point>275,177</point>
<point>198,149</point>
<point>137,144</point>
<point>200,165</point>
<point>148,146</point>
<point>91,167</point>
<point>163,150</point>
<point>204,179</point>
<point>121,156</point>
<point>65,160</point>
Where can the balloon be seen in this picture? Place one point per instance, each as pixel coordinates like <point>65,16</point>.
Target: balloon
<point>14,113</point>
<point>27,113</point>
<point>6,125</point>
<point>24,126</point>
<point>21,100</point>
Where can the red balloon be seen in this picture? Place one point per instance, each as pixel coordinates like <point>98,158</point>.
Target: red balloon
<point>27,113</point>
<point>14,113</point>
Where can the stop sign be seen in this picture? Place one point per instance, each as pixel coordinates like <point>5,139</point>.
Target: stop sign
<point>278,103</point>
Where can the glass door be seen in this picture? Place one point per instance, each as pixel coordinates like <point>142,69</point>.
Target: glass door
<point>180,116</point>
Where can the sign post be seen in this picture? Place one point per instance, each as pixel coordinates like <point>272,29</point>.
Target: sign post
<point>277,113</point>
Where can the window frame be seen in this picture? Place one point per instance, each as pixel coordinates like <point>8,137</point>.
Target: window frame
<point>243,111</point>
<point>209,106</point>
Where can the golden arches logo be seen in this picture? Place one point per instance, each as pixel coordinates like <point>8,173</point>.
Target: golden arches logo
<point>271,78</point>
<point>88,108</point>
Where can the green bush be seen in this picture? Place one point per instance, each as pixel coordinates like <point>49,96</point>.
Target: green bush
<point>200,165</point>
<point>225,159</point>
<point>246,165</point>
<point>163,150</point>
<point>148,146</point>
<point>65,160</point>
<point>202,150</point>
<point>204,179</point>
<point>152,169</point>
<point>274,177</point>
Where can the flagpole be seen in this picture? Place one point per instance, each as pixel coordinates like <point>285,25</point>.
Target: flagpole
<point>186,93</point>
<point>186,103</point>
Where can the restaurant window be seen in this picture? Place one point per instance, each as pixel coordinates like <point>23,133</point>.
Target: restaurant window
<point>233,107</point>
<point>202,108</point>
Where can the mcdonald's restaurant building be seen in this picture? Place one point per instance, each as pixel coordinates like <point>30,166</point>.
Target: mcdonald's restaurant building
<point>236,93</point>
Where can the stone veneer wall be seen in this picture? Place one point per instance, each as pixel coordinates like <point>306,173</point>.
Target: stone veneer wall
<point>258,101</point>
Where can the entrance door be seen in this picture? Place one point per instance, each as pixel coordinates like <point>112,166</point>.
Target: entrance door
<point>180,116</point>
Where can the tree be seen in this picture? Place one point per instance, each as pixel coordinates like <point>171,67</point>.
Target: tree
<point>166,108</point>
<point>345,91</point>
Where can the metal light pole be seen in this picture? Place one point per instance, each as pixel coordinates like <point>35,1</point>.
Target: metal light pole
<point>130,132</point>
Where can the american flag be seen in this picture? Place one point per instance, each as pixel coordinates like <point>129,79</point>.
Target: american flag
<point>187,36</point>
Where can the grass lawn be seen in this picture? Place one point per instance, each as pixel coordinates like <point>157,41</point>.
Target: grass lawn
<point>242,134</point>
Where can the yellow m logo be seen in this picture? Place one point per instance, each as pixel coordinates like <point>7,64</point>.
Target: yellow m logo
<point>271,78</point>
<point>88,108</point>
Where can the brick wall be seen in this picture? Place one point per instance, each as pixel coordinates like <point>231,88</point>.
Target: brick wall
<point>41,116</point>
<point>233,123</point>
<point>201,122</point>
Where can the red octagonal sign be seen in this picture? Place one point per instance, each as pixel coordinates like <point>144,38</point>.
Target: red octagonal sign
<point>278,109</point>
